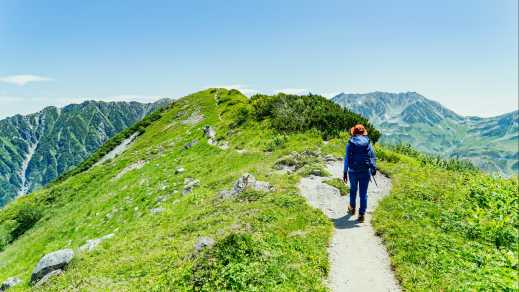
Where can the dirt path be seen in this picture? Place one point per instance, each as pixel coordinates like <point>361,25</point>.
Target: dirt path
<point>359,261</point>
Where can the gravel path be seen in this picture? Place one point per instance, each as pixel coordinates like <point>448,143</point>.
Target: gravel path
<point>359,261</point>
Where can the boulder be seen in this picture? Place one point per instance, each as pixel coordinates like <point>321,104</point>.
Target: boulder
<point>179,170</point>
<point>10,282</point>
<point>47,277</point>
<point>189,185</point>
<point>51,262</point>
<point>91,244</point>
<point>203,242</point>
<point>246,181</point>
<point>210,134</point>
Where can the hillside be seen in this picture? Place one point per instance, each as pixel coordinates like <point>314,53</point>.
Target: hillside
<point>173,211</point>
<point>410,118</point>
<point>37,148</point>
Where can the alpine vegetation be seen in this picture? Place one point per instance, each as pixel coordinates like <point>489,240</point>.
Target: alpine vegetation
<point>206,198</point>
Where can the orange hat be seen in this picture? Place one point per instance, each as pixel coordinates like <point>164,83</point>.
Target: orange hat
<point>359,130</point>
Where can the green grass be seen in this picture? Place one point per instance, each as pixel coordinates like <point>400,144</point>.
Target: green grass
<point>338,184</point>
<point>157,251</point>
<point>445,228</point>
<point>450,230</point>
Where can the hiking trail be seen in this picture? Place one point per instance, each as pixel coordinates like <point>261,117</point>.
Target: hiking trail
<point>359,260</point>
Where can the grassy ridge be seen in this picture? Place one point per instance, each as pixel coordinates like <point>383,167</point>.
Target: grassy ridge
<point>446,227</point>
<point>276,231</point>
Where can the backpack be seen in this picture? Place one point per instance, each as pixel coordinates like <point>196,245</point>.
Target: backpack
<point>358,156</point>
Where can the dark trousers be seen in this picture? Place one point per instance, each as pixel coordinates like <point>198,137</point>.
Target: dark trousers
<point>359,181</point>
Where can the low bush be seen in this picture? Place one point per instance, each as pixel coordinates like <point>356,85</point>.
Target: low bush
<point>294,113</point>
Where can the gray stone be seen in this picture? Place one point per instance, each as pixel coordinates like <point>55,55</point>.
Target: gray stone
<point>204,242</point>
<point>195,118</point>
<point>246,181</point>
<point>47,277</point>
<point>189,185</point>
<point>190,144</point>
<point>179,170</point>
<point>50,262</point>
<point>10,282</point>
<point>210,134</point>
<point>263,186</point>
<point>224,145</point>
<point>161,199</point>
<point>157,210</point>
<point>91,244</point>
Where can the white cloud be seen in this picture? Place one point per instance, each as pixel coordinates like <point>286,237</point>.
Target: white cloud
<point>294,91</point>
<point>22,80</point>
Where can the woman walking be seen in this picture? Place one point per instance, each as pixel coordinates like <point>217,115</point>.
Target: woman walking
<point>359,165</point>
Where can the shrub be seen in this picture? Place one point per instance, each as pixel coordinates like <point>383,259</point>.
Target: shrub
<point>294,113</point>
<point>26,217</point>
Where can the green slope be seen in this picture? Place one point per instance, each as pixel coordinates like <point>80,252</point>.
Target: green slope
<point>55,140</point>
<point>264,241</point>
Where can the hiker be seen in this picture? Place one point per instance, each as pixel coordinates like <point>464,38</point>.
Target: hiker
<point>359,165</point>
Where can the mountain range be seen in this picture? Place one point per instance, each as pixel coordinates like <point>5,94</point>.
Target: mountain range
<point>37,148</point>
<point>410,118</point>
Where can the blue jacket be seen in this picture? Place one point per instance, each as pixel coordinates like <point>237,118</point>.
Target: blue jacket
<point>360,156</point>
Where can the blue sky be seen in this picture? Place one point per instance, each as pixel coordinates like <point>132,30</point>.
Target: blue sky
<point>461,53</point>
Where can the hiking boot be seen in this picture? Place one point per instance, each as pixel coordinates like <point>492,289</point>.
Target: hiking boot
<point>351,210</point>
<point>361,218</point>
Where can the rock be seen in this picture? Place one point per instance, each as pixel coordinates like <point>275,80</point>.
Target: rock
<point>179,170</point>
<point>224,145</point>
<point>246,181</point>
<point>210,134</point>
<point>91,244</point>
<point>195,118</point>
<point>263,186</point>
<point>156,210</point>
<point>243,182</point>
<point>47,277</point>
<point>161,199</point>
<point>10,282</point>
<point>191,144</point>
<point>189,184</point>
<point>51,262</point>
<point>203,242</point>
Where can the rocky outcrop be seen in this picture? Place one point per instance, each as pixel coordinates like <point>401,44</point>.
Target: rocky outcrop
<point>51,262</point>
<point>246,181</point>
<point>203,242</point>
<point>10,282</point>
<point>195,118</point>
<point>210,134</point>
<point>189,185</point>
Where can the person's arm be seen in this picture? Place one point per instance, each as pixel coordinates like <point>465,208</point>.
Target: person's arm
<point>346,157</point>
<point>372,160</point>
